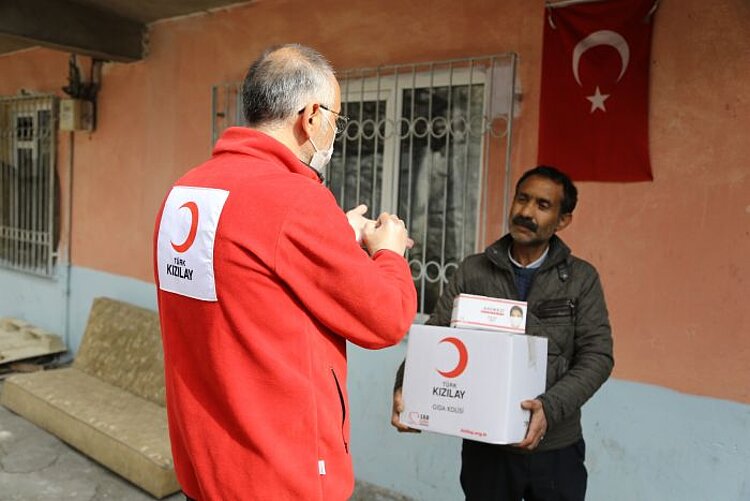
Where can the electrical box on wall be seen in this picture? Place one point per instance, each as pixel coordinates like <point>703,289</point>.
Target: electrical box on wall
<point>76,114</point>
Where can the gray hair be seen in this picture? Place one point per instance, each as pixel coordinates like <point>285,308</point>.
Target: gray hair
<point>282,81</point>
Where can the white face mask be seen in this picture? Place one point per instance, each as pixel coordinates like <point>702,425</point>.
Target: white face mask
<point>515,321</point>
<point>321,157</point>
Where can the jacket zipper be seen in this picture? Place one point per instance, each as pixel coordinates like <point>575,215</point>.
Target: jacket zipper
<point>343,409</point>
<point>556,308</point>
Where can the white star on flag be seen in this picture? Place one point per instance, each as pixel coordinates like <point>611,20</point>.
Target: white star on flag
<point>597,100</point>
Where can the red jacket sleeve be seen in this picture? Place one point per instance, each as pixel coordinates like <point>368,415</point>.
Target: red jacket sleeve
<point>369,301</point>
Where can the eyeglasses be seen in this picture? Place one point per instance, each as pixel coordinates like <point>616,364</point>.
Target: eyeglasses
<point>341,120</point>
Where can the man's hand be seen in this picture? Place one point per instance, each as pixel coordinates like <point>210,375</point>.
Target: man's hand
<point>388,232</point>
<point>537,425</point>
<point>359,222</point>
<point>398,407</point>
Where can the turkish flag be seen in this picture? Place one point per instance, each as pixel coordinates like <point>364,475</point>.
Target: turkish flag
<point>593,119</point>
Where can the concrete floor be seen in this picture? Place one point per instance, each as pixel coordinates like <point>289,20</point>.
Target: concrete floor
<point>37,466</point>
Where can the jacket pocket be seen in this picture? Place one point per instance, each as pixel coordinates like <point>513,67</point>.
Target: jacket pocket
<point>556,319</point>
<point>556,308</point>
<point>343,410</point>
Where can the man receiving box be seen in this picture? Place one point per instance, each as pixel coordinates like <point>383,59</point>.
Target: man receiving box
<point>261,280</point>
<point>566,305</point>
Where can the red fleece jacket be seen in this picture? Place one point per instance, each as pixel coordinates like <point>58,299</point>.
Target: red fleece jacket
<point>255,310</point>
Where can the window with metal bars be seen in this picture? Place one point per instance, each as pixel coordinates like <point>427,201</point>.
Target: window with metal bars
<point>29,187</point>
<point>419,142</point>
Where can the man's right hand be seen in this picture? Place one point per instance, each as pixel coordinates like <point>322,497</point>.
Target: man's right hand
<point>388,233</point>
<point>398,407</point>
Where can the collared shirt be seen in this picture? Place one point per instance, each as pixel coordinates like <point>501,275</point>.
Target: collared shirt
<point>536,264</point>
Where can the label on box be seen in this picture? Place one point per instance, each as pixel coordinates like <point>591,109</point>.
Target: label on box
<point>488,313</point>
<point>470,383</point>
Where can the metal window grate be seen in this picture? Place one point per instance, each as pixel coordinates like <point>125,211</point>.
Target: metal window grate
<point>421,141</point>
<point>29,187</point>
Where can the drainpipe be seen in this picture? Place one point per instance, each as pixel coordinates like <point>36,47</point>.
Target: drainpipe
<point>69,263</point>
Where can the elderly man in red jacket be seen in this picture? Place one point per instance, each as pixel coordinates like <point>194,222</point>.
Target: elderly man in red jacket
<point>261,280</point>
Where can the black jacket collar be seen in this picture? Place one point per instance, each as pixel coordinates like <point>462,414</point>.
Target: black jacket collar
<point>497,253</point>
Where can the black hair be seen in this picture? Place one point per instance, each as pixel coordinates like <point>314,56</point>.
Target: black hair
<point>570,192</point>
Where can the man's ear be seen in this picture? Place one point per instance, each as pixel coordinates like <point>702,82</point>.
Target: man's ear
<point>564,221</point>
<point>310,115</point>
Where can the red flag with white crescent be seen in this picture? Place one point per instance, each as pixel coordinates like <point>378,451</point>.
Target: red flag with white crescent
<point>593,119</point>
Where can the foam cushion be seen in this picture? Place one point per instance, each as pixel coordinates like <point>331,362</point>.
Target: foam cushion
<point>122,346</point>
<point>122,431</point>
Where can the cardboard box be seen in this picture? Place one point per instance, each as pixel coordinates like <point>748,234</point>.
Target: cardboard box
<point>488,313</point>
<point>470,383</point>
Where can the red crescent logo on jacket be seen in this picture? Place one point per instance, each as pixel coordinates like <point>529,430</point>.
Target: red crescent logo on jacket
<point>193,228</point>
<point>463,358</point>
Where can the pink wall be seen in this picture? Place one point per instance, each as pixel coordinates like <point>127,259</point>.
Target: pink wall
<point>670,252</point>
<point>155,114</point>
<point>42,71</point>
<point>674,253</point>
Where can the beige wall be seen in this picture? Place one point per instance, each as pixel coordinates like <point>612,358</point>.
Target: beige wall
<point>672,253</point>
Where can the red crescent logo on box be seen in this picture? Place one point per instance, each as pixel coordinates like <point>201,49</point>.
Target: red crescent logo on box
<point>193,208</point>
<point>463,358</point>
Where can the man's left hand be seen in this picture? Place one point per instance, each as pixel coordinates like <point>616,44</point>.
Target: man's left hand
<point>359,222</point>
<point>537,425</point>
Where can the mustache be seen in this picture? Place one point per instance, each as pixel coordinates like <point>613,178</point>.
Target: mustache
<point>526,222</point>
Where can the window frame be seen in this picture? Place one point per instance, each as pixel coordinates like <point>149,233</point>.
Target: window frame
<point>29,219</point>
